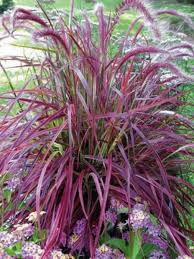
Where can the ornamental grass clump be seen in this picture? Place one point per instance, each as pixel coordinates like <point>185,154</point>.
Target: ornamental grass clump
<point>96,131</point>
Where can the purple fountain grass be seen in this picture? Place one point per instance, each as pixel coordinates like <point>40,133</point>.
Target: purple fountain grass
<point>140,7</point>
<point>94,129</point>
<point>52,34</point>
<point>186,19</point>
<point>23,14</point>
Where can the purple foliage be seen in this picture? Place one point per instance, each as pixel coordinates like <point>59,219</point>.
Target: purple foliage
<point>95,133</point>
<point>140,7</point>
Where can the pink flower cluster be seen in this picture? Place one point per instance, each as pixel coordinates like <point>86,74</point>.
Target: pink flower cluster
<point>158,255</point>
<point>111,213</point>
<point>80,226</point>
<point>7,239</point>
<point>31,250</point>
<point>105,252</point>
<point>23,231</point>
<point>184,257</point>
<point>139,217</point>
<point>78,230</point>
<point>111,216</point>
<point>116,204</point>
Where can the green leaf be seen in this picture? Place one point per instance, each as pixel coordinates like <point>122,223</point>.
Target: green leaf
<point>18,245</point>
<point>7,195</point>
<point>59,148</point>
<point>4,178</point>
<point>39,235</point>
<point>35,237</point>
<point>173,254</point>
<point>10,251</point>
<point>153,218</point>
<point>146,250</point>
<point>43,234</point>
<point>21,205</point>
<point>4,228</point>
<point>118,243</point>
<point>34,47</point>
<point>123,210</point>
<point>14,250</point>
<point>104,238</point>
<point>134,244</point>
<point>9,207</point>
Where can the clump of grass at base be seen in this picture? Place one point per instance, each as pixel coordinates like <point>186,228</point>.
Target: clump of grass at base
<point>97,126</point>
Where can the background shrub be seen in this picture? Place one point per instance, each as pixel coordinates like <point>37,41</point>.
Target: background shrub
<point>6,4</point>
<point>186,1</point>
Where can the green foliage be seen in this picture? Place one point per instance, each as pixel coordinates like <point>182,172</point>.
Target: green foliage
<point>120,244</point>
<point>39,235</point>
<point>15,250</point>
<point>7,195</point>
<point>186,1</point>
<point>134,248</point>
<point>146,250</point>
<point>6,4</point>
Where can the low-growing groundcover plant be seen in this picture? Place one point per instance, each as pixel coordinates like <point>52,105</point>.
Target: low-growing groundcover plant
<point>96,148</point>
